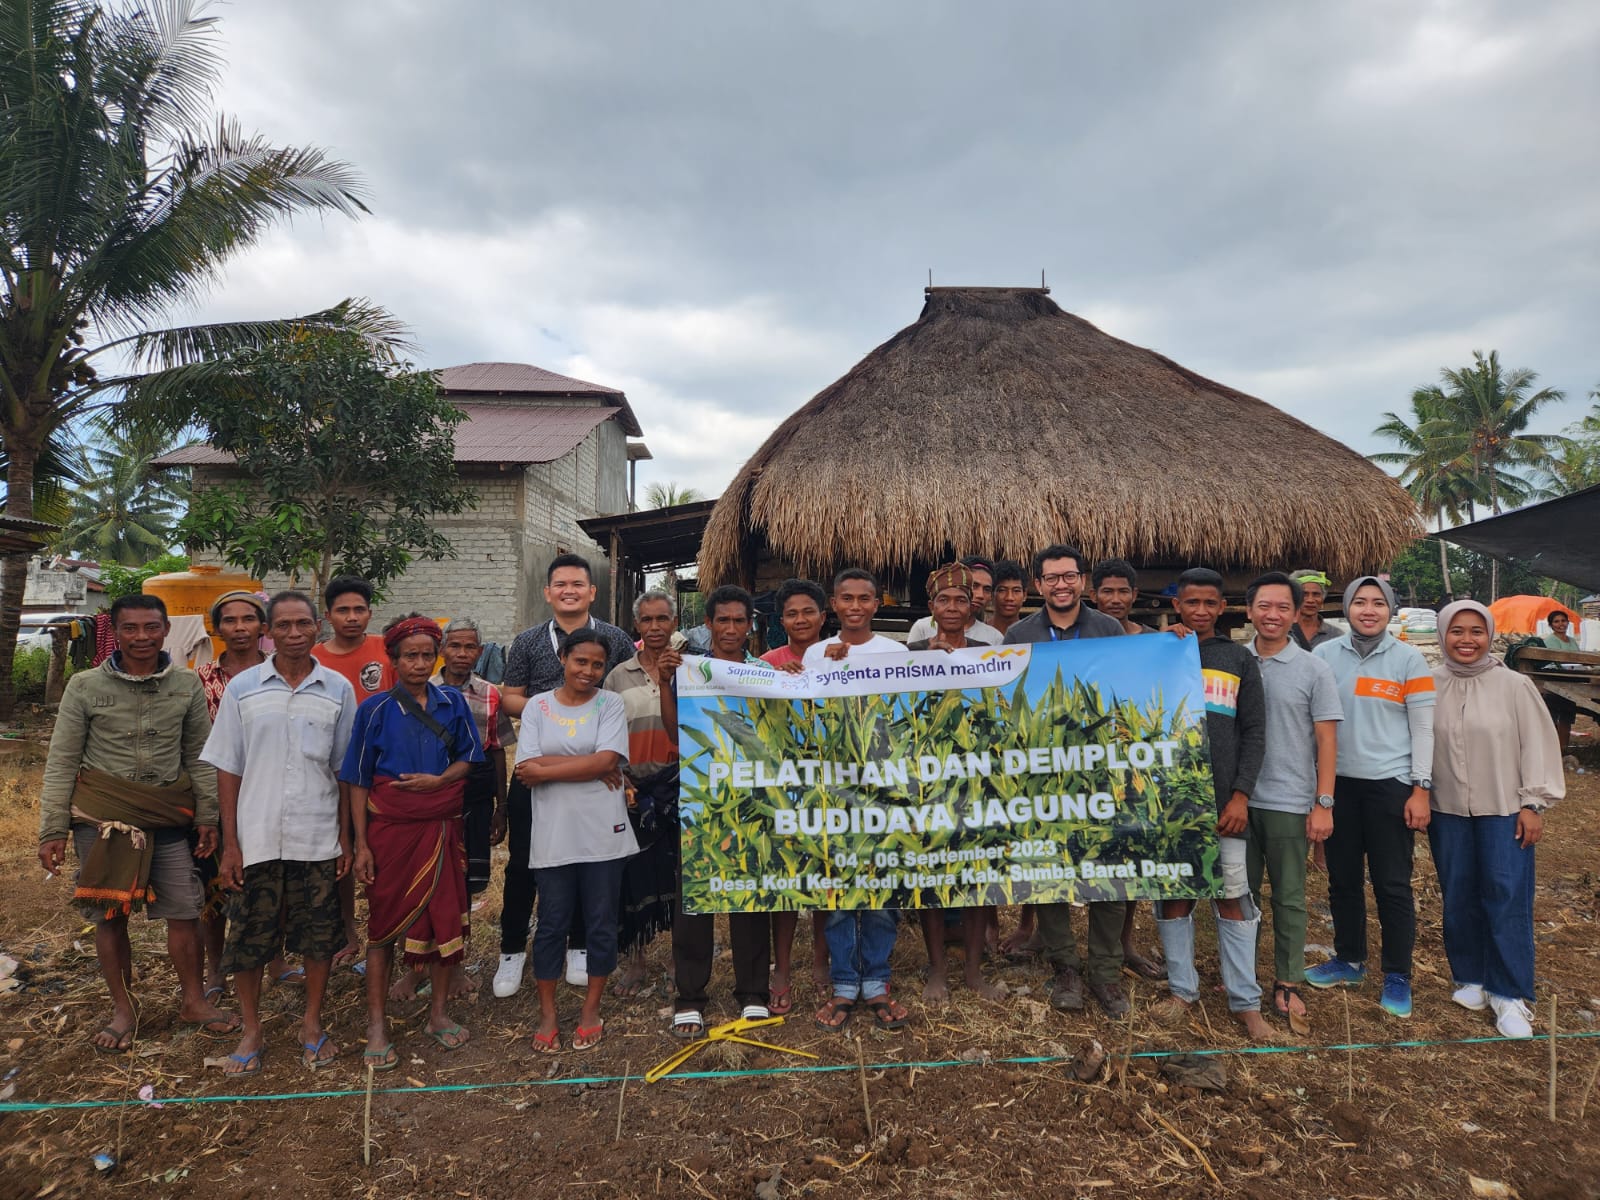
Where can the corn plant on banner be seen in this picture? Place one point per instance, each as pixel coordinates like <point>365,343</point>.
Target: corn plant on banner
<point>1067,771</point>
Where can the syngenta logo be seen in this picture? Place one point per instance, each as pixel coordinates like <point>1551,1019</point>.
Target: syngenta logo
<point>702,668</point>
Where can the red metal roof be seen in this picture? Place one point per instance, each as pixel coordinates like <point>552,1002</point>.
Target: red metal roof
<point>492,433</point>
<point>517,377</point>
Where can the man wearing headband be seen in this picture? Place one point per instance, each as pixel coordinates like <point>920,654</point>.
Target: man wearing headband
<point>981,581</point>
<point>1309,629</point>
<point>410,754</point>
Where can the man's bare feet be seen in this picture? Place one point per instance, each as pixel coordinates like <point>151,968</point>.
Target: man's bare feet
<point>936,992</point>
<point>1171,1011</point>
<point>1145,968</point>
<point>350,954</point>
<point>209,1017</point>
<point>984,989</point>
<point>405,987</point>
<point>1021,942</point>
<point>632,980</point>
<point>1256,1027</point>
<point>462,985</point>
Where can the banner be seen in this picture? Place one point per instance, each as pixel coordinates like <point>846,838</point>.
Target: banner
<point>1068,771</point>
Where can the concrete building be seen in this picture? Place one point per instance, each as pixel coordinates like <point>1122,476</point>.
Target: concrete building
<point>542,452</point>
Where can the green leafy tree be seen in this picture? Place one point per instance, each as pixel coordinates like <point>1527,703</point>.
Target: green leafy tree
<point>122,196</point>
<point>129,581</point>
<point>347,458</point>
<point>1442,486</point>
<point>665,495</point>
<point>1482,415</point>
<point>124,510</point>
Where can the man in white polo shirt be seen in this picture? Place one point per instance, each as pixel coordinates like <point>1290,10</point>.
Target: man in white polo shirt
<point>277,743</point>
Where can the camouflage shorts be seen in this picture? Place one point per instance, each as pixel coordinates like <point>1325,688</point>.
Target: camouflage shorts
<point>284,905</point>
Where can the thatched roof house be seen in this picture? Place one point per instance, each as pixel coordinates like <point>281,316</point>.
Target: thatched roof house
<point>998,423</point>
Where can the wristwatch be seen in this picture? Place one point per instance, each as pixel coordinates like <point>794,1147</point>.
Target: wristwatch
<point>1324,801</point>
<point>1425,784</point>
<point>1538,808</point>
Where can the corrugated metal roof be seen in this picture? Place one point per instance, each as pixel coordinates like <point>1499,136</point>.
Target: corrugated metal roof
<point>517,377</point>
<point>492,433</point>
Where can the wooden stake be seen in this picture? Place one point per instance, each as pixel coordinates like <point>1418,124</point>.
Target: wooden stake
<point>866,1101</point>
<point>1589,1087</point>
<point>621,1097</point>
<point>1350,1053</point>
<point>366,1123</point>
<point>1198,1153</point>
<point>1552,1056</point>
<point>1127,1059</point>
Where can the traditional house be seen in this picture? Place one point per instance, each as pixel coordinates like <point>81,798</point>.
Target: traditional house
<point>542,452</point>
<point>998,424</point>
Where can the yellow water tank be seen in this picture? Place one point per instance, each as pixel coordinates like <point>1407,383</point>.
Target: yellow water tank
<point>192,592</point>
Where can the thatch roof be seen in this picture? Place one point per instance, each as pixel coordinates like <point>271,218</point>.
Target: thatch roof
<point>998,424</point>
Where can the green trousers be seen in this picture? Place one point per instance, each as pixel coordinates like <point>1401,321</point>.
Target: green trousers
<point>1103,964</point>
<point>1276,847</point>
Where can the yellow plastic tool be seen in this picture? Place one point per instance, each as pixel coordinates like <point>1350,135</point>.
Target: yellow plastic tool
<point>729,1032</point>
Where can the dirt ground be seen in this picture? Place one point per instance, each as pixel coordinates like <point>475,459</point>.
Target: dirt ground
<point>1388,1122</point>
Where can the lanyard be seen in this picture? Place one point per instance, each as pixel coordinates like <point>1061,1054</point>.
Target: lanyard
<point>555,639</point>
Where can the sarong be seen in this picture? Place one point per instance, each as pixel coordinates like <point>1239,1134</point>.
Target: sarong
<point>115,877</point>
<point>650,877</point>
<point>419,893</point>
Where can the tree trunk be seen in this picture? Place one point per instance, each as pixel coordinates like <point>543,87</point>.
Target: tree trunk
<point>14,573</point>
<point>1444,563</point>
<point>1494,509</point>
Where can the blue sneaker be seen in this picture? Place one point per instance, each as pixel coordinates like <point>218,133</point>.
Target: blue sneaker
<point>1396,995</point>
<point>1336,973</point>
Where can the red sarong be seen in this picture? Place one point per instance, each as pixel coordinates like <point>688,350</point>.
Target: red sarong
<point>420,888</point>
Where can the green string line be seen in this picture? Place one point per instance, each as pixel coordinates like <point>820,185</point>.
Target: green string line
<point>21,1106</point>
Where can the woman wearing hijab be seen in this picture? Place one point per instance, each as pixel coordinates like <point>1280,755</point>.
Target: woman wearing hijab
<point>1380,795</point>
<point>1497,767</point>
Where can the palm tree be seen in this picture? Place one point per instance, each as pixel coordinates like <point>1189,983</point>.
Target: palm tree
<point>1443,487</point>
<point>121,197</point>
<point>665,495</point>
<point>1482,414</point>
<point>125,510</point>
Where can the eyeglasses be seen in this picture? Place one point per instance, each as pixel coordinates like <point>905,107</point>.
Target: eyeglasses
<point>1060,577</point>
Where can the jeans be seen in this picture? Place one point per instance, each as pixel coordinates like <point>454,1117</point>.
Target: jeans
<point>1104,962</point>
<point>1236,940</point>
<point>1277,849</point>
<point>595,890</point>
<point>859,946</point>
<point>1369,829</point>
<point>1486,882</point>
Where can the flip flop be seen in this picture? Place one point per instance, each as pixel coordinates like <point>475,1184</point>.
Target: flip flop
<point>386,1059</point>
<point>547,1043</point>
<point>1298,1023</point>
<point>214,990</point>
<point>782,1001</point>
<point>883,1017</point>
<point>124,1040</point>
<point>360,968</point>
<point>292,975</point>
<point>834,1008</point>
<point>244,1061</point>
<point>688,1024</point>
<point>441,1036</point>
<point>313,1050</point>
<point>595,1033</point>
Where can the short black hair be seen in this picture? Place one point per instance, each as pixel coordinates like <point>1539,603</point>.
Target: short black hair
<point>1115,568</point>
<point>568,560</point>
<point>1199,577</point>
<point>140,600</point>
<point>849,573</point>
<point>341,585</point>
<point>1008,570</point>
<point>290,596</point>
<point>791,588</point>
<point>977,562</point>
<point>1274,579</point>
<point>1058,550</point>
<point>729,593</point>
<point>584,633</point>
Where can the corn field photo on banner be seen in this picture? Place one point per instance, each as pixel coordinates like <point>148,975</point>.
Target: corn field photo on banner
<point>1069,771</point>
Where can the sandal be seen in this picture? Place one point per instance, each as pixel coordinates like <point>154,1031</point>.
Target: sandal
<point>245,1061</point>
<point>313,1053</point>
<point>782,1001</point>
<point>688,1024</point>
<point>386,1059</point>
<point>452,1037</point>
<point>1298,1024</point>
<point>835,1014</point>
<point>887,1013</point>
<point>587,1038</point>
<point>547,1043</point>
<point>121,1045</point>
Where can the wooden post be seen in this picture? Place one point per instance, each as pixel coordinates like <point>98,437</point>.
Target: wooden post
<point>616,579</point>
<point>55,681</point>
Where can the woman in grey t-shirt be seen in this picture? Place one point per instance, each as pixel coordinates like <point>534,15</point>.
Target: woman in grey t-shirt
<point>573,743</point>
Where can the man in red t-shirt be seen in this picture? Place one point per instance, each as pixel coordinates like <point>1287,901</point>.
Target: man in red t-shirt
<point>361,658</point>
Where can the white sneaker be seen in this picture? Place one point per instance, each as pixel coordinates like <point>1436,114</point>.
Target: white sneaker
<point>1511,1017</point>
<point>1471,996</point>
<point>508,976</point>
<point>578,968</point>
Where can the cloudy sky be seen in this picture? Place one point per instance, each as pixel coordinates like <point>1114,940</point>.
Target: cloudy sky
<point>720,207</point>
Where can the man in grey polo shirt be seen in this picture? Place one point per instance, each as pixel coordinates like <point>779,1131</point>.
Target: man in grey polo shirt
<point>277,743</point>
<point>1292,804</point>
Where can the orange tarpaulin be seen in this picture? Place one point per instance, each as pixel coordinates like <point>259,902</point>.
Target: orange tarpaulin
<point>1522,614</point>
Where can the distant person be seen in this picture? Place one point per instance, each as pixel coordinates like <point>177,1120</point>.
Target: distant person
<point>1060,574</point>
<point>1309,630</point>
<point>1010,594</point>
<point>1497,767</point>
<point>1115,590</point>
<point>124,778</point>
<point>978,630</point>
<point>533,665</point>
<point>1381,795</point>
<point>1291,808</point>
<point>1236,727</point>
<point>854,601</point>
<point>1563,712</point>
<point>410,753</point>
<point>277,744</point>
<point>361,658</point>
